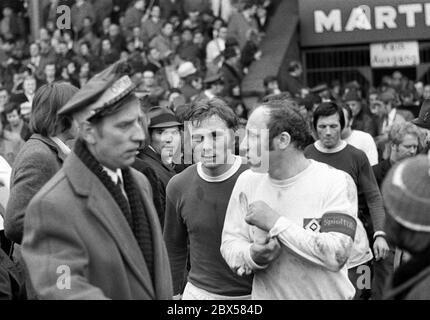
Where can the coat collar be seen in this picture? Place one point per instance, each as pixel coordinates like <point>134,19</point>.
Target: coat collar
<point>102,205</point>
<point>51,144</point>
<point>155,156</point>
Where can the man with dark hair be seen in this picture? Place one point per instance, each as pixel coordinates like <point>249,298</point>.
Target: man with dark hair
<point>291,220</point>
<point>196,214</point>
<point>231,72</point>
<point>163,146</point>
<point>95,219</point>
<point>16,124</point>
<point>329,122</point>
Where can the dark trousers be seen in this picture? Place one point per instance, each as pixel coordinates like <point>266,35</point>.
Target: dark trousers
<point>382,271</point>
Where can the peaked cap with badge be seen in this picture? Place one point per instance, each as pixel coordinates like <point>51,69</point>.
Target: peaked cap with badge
<point>101,95</point>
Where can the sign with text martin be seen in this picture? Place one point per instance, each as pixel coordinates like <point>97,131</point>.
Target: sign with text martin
<point>336,22</point>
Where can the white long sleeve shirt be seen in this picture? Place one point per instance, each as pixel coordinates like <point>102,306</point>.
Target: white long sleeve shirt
<point>364,142</point>
<point>312,264</point>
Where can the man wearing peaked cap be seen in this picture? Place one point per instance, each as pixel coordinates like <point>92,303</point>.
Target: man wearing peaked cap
<point>95,220</point>
<point>164,143</point>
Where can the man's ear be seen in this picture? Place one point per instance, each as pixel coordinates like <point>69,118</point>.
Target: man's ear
<point>284,140</point>
<point>88,132</point>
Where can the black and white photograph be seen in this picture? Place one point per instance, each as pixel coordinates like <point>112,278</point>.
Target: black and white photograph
<point>210,155</point>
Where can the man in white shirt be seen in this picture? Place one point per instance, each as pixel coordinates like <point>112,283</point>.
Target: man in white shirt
<point>359,139</point>
<point>291,221</point>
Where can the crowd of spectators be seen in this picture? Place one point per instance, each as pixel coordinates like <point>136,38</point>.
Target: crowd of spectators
<point>176,49</point>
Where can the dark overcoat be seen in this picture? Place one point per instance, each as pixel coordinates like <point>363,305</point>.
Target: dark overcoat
<point>78,245</point>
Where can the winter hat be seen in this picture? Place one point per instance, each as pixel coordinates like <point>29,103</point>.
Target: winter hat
<point>186,69</point>
<point>406,192</point>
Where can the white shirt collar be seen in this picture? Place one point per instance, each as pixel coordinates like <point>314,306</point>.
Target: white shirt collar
<point>63,147</point>
<point>224,176</point>
<point>318,145</point>
<point>392,116</point>
<point>114,175</point>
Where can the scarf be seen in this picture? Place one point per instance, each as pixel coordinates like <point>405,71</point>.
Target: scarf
<point>133,209</point>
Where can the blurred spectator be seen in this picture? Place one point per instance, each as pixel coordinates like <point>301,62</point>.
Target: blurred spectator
<point>154,60</point>
<point>215,48</point>
<point>15,124</point>
<point>200,41</point>
<point>231,72</point>
<point>426,92</point>
<point>163,42</point>
<point>188,50</point>
<point>4,98</point>
<point>262,18</point>
<point>222,9</point>
<point>214,85</point>
<point>117,40</point>
<point>293,81</point>
<point>151,25</point>
<point>91,38</point>
<point>103,9</point>
<point>50,73</point>
<point>360,119</point>
<point>408,103</point>
<point>241,22</point>
<point>135,41</point>
<point>133,15</point>
<point>359,139</point>
<point>11,26</point>
<point>80,10</point>
<point>193,20</point>
<point>27,95</point>
<point>150,87</point>
<point>108,55</point>
<point>191,82</point>
<point>169,7</point>
<point>270,84</point>
<point>10,144</point>
<point>251,51</point>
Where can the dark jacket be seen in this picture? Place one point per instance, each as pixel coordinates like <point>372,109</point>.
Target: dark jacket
<point>411,281</point>
<point>366,123</point>
<point>11,284</point>
<point>153,160</point>
<point>380,170</point>
<point>158,191</point>
<point>75,223</point>
<point>232,78</point>
<point>36,163</point>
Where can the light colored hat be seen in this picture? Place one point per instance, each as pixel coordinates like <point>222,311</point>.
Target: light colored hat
<point>186,69</point>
